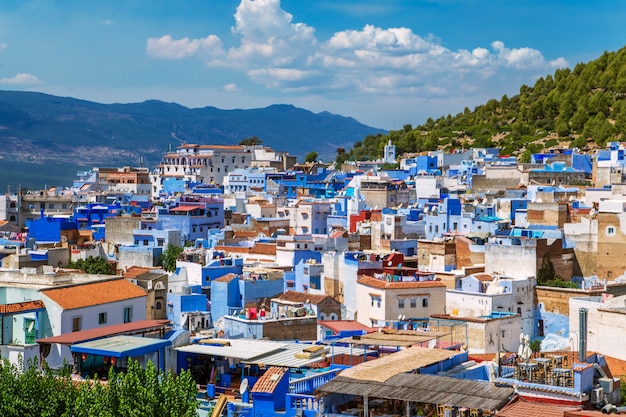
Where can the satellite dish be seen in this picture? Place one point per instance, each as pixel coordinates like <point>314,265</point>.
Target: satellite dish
<point>389,263</point>
<point>399,316</point>
<point>244,386</point>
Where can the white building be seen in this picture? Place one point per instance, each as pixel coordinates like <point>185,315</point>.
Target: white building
<point>200,163</point>
<point>482,295</point>
<point>87,306</point>
<point>380,301</point>
<point>605,330</point>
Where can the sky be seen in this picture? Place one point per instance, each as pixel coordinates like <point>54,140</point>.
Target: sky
<point>386,63</point>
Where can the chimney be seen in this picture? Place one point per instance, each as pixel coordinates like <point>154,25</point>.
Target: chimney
<point>582,335</point>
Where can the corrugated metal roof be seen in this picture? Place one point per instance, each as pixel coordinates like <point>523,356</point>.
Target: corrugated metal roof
<point>424,388</point>
<point>286,356</point>
<point>243,349</point>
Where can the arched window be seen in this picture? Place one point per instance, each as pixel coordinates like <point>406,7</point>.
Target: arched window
<point>159,305</point>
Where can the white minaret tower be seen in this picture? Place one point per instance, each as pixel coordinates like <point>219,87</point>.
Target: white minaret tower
<point>390,153</point>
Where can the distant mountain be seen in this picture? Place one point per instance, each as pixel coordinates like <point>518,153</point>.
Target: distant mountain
<point>583,108</point>
<point>47,139</point>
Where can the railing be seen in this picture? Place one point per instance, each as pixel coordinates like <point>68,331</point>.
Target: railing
<point>309,384</point>
<point>309,405</point>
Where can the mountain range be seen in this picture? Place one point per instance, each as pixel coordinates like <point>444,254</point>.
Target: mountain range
<point>46,139</point>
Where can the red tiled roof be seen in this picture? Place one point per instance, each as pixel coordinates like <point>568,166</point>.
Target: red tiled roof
<point>225,278</point>
<point>338,325</point>
<point>100,332</point>
<point>264,248</point>
<point>302,297</point>
<point>21,307</point>
<point>229,248</point>
<point>383,284</point>
<point>483,277</point>
<point>269,381</point>
<point>135,271</point>
<point>521,407</point>
<point>91,294</point>
<point>184,208</point>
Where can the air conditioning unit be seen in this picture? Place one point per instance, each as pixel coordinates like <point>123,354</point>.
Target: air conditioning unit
<point>597,395</point>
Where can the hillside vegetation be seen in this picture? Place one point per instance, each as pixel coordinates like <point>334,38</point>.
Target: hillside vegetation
<point>580,108</point>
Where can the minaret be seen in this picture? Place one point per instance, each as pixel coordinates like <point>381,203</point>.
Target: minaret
<point>390,153</point>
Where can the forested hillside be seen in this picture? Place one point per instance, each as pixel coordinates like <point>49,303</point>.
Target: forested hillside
<point>584,108</point>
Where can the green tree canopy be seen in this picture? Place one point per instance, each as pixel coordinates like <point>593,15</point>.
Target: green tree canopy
<point>92,265</point>
<point>311,157</point>
<point>169,257</point>
<point>134,392</point>
<point>251,141</point>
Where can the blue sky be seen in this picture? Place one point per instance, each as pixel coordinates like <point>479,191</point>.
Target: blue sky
<point>386,63</point>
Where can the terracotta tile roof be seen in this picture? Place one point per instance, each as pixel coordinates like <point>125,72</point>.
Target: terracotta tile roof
<point>230,248</point>
<point>338,325</point>
<point>269,381</point>
<point>246,233</point>
<point>91,294</point>
<point>521,407</point>
<point>225,278</point>
<point>21,307</point>
<point>483,277</point>
<point>302,297</point>
<point>264,248</point>
<point>135,271</point>
<point>185,208</point>
<point>383,284</point>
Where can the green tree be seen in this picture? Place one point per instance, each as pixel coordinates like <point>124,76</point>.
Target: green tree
<point>93,265</point>
<point>342,156</point>
<point>251,141</point>
<point>547,272</point>
<point>535,346</point>
<point>311,157</point>
<point>169,257</point>
<point>135,392</point>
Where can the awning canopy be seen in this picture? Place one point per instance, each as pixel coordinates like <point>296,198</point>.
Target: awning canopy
<point>136,327</point>
<point>424,388</point>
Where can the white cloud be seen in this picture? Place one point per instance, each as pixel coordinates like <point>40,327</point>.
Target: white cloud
<point>107,22</point>
<point>21,78</point>
<point>166,47</point>
<point>3,46</point>
<point>278,53</point>
<point>232,87</point>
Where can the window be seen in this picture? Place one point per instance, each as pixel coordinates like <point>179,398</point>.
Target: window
<point>76,324</point>
<point>128,314</point>
<point>160,242</point>
<point>610,231</point>
<point>145,242</point>
<point>159,306</point>
<point>51,205</point>
<point>29,331</point>
<point>400,302</point>
<point>102,318</point>
<point>316,283</point>
<point>425,302</point>
<point>413,302</point>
